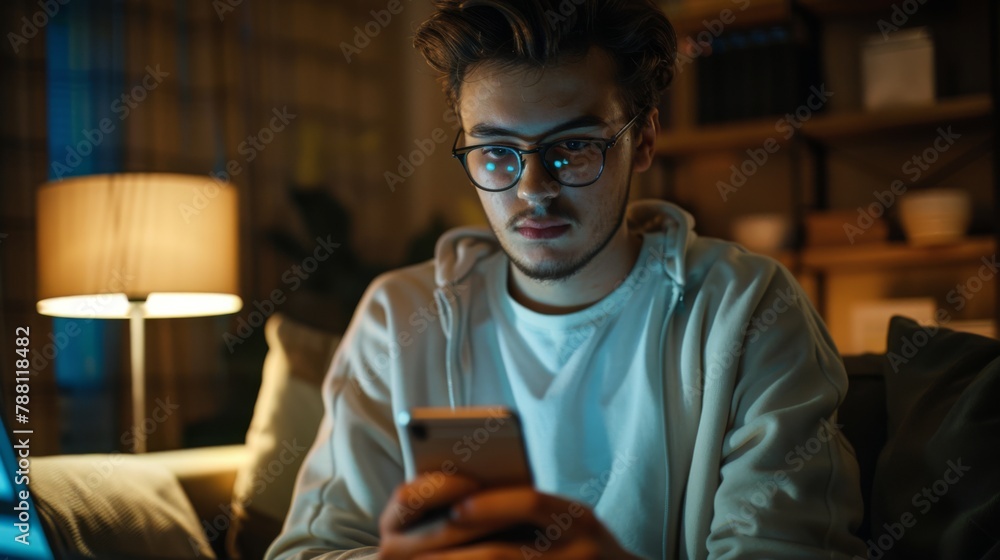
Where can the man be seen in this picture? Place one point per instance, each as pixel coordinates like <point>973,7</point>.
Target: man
<point>678,394</point>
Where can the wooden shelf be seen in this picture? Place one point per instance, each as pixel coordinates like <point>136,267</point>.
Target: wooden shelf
<point>827,128</point>
<point>689,18</point>
<point>845,8</point>
<point>822,128</point>
<point>738,136</point>
<point>880,256</point>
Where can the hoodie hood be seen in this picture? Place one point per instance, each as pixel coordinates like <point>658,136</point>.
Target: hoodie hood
<point>459,250</point>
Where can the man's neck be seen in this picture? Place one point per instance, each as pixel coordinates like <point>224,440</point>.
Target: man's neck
<point>591,284</point>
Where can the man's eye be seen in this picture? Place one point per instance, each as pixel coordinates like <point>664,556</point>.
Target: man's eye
<point>577,145</point>
<point>495,152</point>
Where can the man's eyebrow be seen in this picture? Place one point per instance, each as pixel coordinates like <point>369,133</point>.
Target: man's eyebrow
<point>486,130</point>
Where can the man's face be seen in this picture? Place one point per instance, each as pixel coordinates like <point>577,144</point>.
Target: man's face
<point>550,231</point>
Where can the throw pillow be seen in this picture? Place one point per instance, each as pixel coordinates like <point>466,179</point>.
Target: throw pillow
<point>286,417</point>
<point>115,506</point>
<point>936,484</point>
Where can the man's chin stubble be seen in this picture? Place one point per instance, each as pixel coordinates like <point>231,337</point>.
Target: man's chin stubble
<point>549,273</point>
<point>556,272</point>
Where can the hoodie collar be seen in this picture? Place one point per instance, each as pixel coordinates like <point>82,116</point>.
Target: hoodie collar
<point>676,226</point>
<point>458,251</point>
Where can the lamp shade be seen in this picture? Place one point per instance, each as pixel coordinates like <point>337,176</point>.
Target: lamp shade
<point>168,240</point>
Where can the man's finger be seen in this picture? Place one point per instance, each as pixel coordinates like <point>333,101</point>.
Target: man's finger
<point>412,501</point>
<point>497,551</point>
<point>504,507</point>
<point>504,551</point>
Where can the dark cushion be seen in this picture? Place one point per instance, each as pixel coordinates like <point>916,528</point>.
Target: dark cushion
<point>863,417</point>
<point>937,487</point>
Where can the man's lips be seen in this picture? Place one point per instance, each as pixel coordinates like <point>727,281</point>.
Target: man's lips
<point>541,229</point>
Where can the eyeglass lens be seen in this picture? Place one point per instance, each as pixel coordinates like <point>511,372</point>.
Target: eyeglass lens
<point>571,163</point>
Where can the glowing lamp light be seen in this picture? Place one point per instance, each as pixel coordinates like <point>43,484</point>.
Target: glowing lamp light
<point>137,246</point>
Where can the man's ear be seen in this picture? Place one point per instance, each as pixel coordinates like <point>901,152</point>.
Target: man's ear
<point>645,147</point>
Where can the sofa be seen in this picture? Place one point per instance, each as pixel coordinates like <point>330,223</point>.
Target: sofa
<point>222,501</point>
<point>923,419</point>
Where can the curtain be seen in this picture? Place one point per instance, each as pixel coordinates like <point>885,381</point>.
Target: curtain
<point>261,93</point>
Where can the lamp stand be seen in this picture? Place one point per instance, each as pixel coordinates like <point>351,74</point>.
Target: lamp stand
<point>137,353</point>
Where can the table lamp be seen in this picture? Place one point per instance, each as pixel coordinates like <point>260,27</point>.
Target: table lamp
<point>137,246</point>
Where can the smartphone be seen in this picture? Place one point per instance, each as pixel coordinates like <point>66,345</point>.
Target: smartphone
<point>482,443</point>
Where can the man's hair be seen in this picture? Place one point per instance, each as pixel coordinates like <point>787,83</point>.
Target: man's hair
<point>536,33</point>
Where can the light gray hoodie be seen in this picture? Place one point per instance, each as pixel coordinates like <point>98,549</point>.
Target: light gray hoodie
<point>752,462</point>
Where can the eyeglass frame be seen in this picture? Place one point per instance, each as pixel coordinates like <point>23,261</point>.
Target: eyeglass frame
<point>608,143</point>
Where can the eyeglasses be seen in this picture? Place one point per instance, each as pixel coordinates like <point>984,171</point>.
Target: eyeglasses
<point>572,162</point>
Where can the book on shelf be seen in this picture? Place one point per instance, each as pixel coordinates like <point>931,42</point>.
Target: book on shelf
<point>758,72</point>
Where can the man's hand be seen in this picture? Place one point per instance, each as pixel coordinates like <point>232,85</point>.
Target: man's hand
<point>564,529</point>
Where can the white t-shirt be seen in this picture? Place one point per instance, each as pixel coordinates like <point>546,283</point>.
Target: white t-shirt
<point>589,369</point>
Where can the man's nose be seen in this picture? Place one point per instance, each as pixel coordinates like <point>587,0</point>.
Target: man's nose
<point>536,185</point>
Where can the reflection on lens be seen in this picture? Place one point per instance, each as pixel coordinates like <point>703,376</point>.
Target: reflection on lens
<point>575,162</point>
<point>494,167</point>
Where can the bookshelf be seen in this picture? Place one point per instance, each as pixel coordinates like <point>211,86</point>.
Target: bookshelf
<point>823,128</point>
<point>831,160</point>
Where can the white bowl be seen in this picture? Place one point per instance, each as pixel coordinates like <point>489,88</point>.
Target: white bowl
<point>935,216</point>
<point>762,233</point>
